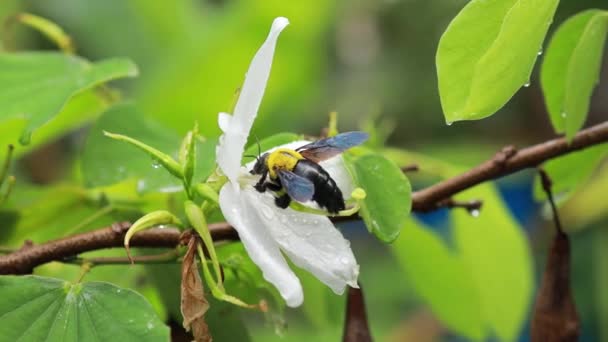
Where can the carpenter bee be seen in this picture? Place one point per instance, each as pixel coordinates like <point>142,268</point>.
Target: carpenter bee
<point>299,174</point>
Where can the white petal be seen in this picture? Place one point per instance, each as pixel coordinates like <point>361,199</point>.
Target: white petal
<point>311,242</point>
<point>236,130</point>
<point>246,216</point>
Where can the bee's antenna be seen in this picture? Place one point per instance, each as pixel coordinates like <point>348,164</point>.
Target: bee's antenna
<point>250,156</point>
<point>259,147</point>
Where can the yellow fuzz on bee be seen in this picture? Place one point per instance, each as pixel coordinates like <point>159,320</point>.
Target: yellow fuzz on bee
<point>282,159</point>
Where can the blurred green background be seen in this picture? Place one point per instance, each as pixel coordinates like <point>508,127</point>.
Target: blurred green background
<point>371,61</point>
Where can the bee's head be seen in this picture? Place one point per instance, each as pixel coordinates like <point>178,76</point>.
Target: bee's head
<point>260,165</point>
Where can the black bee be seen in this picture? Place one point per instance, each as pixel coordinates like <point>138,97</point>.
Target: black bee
<point>298,172</point>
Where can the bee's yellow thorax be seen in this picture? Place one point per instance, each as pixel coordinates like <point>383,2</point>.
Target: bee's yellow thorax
<point>282,159</point>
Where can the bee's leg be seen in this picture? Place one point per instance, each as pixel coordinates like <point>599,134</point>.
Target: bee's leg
<point>273,186</point>
<point>282,201</point>
<point>261,184</point>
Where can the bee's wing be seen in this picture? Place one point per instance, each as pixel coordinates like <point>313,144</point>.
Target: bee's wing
<point>297,187</point>
<point>324,149</point>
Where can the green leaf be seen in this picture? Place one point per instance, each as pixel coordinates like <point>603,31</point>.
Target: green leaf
<point>105,161</point>
<point>36,308</point>
<point>36,85</point>
<point>487,53</point>
<point>571,171</point>
<point>79,110</point>
<point>388,200</point>
<point>571,69</point>
<point>441,277</point>
<point>496,252</point>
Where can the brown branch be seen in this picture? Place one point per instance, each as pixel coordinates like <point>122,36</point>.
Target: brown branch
<point>24,260</point>
<point>505,162</point>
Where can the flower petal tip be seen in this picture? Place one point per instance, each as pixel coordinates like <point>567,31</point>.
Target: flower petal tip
<point>294,299</point>
<point>279,24</point>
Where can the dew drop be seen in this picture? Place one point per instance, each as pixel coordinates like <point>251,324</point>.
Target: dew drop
<point>26,137</point>
<point>449,123</point>
<point>540,52</point>
<point>344,260</point>
<point>155,164</point>
<point>527,84</point>
<point>267,212</point>
<point>564,114</point>
<point>475,212</point>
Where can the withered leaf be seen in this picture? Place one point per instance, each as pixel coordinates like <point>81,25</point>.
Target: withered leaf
<point>555,317</point>
<point>194,305</point>
<point>356,328</point>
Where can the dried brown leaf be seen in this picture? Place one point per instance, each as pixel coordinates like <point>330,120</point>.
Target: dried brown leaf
<point>356,328</point>
<point>194,305</point>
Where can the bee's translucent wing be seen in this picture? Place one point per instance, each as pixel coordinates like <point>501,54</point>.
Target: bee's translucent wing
<point>326,148</point>
<point>297,187</point>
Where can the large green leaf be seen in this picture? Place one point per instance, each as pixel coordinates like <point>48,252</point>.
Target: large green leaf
<point>34,86</point>
<point>388,200</point>
<point>497,256</point>
<point>106,161</point>
<point>79,110</point>
<point>571,171</point>
<point>571,69</point>
<point>35,308</point>
<point>487,53</point>
<point>442,278</point>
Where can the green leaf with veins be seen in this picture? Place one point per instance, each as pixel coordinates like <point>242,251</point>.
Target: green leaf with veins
<point>571,69</point>
<point>389,194</point>
<point>36,308</point>
<point>487,54</point>
<point>37,85</point>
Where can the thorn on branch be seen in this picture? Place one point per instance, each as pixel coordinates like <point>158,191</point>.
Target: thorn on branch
<point>501,157</point>
<point>410,168</point>
<point>473,206</point>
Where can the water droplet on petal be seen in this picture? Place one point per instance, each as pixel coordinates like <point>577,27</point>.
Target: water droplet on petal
<point>267,212</point>
<point>344,260</point>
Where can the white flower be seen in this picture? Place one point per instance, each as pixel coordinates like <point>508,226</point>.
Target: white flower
<point>310,241</point>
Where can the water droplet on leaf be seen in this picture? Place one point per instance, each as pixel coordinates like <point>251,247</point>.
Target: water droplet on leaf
<point>26,137</point>
<point>474,212</point>
<point>155,164</point>
<point>527,84</point>
<point>564,114</point>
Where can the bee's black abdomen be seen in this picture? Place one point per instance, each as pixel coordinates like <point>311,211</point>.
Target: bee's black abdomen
<point>327,194</point>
